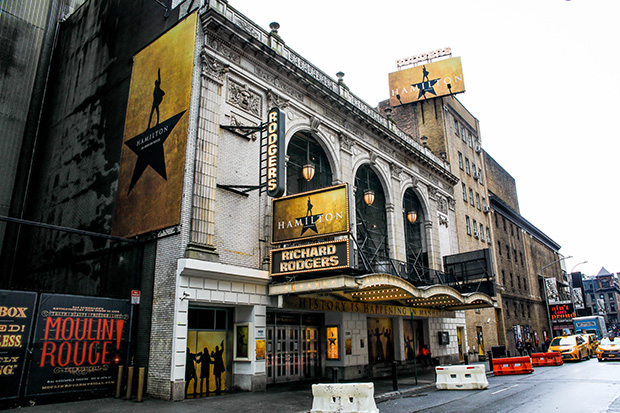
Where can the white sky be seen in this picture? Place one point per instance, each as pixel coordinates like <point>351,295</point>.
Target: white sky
<point>541,76</point>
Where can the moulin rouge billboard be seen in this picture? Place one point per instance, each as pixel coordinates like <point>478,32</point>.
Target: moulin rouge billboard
<point>78,344</point>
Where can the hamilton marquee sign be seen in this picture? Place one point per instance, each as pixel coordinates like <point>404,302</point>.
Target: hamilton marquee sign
<point>440,78</point>
<point>310,215</point>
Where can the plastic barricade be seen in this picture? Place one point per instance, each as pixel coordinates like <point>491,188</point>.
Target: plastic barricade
<point>553,358</point>
<point>512,365</point>
<point>461,377</point>
<point>344,397</point>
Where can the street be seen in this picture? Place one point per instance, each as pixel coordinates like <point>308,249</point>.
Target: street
<point>587,386</point>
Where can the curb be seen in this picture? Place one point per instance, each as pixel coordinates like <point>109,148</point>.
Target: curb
<point>383,397</point>
<point>399,393</point>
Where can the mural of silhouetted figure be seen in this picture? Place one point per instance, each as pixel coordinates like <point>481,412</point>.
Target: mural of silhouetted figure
<point>424,73</point>
<point>190,370</point>
<point>205,370</point>
<point>380,354</point>
<point>158,96</point>
<point>409,353</point>
<point>389,345</point>
<point>218,367</point>
<point>309,211</point>
<point>371,347</point>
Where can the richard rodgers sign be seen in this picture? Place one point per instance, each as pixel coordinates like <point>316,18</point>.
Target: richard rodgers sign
<point>312,257</point>
<point>310,215</point>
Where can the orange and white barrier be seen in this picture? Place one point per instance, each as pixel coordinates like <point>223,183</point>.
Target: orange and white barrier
<point>553,358</point>
<point>512,365</point>
<point>461,377</point>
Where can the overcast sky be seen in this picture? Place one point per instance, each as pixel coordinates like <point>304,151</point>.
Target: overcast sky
<point>541,76</point>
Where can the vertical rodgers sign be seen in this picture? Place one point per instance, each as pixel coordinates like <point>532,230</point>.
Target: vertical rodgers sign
<point>275,153</point>
<point>150,182</point>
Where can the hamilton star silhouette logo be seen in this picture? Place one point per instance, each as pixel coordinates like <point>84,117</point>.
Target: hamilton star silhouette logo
<point>149,145</point>
<point>309,221</point>
<point>426,85</point>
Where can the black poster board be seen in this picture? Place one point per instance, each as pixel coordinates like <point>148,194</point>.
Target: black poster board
<point>16,316</point>
<point>78,344</point>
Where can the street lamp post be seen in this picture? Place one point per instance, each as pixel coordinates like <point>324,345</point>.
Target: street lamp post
<point>542,274</point>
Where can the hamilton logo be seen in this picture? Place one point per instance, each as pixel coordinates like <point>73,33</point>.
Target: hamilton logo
<point>426,85</point>
<point>309,221</point>
<point>149,145</point>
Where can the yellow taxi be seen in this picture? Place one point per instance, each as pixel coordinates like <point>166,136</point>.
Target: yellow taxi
<point>608,349</point>
<point>592,343</point>
<point>572,347</point>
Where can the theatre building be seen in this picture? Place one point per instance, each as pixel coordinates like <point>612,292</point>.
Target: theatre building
<point>296,233</point>
<point>325,258</point>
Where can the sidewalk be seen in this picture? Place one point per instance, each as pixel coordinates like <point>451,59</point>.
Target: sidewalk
<point>282,398</point>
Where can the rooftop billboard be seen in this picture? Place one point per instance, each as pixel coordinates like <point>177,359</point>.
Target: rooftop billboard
<point>441,78</point>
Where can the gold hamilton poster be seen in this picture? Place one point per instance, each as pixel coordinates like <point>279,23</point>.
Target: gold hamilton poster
<point>440,78</point>
<point>153,159</point>
<point>309,215</point>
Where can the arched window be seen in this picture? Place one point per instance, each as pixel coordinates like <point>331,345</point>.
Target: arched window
<point>371,220</point>
<point>415,237</point>
<point>303,149</point>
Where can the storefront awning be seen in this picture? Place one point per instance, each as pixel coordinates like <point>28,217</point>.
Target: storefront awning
<point>384,289</point>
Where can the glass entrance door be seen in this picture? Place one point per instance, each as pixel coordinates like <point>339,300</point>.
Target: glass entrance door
<point>292,353</point>
<point>283,353</point>
<point>310,352</point>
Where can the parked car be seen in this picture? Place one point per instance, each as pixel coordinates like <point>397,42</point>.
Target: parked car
<point>592,343</point>
<point>572,347</point>
<point>608,349</point>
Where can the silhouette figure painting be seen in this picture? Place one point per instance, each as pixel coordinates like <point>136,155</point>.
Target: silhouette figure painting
<point>309,211</point>
<point>158,97</point>
<point>218,366</point>
<point>190,370</point>
<point>205,362</point>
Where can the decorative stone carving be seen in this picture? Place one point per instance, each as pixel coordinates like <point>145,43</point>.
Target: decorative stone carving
<point>443,220</point>
<point>223,49</point>
<point>346,142</point>
<point>276,82</point>
<point>213,68</point>
<point>396,171</point>
<point>315,123</point>
<point>442,205</point>
<point>245,99</point>
<point>432,192</point>
<point>275,100</point>
<point>373,158</point>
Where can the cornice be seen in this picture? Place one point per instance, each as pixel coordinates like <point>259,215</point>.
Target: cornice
<point>229,24</point>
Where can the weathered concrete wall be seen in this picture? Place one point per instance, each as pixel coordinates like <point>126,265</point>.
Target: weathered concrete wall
<point>75,169</point>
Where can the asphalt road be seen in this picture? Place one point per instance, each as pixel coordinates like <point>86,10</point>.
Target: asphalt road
<point>587,386</point>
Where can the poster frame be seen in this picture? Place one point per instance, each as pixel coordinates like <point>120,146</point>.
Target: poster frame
<point>242,328</point>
